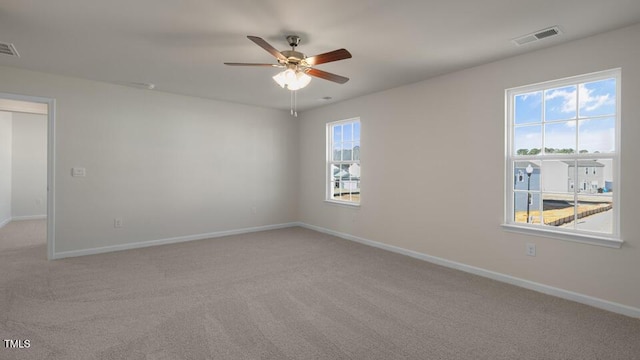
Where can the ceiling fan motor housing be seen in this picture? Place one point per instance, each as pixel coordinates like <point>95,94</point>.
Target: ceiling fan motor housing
<point>293,57</point>
<point>293,40</point>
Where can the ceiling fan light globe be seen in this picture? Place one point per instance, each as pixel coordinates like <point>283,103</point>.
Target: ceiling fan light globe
<point>290,76</point>
<point>280,79</point>
<point>292,79</point>
<point>303,79</point>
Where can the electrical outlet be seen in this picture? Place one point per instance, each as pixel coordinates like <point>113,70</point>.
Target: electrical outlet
<point>117,222</point>
<point>531,249</point>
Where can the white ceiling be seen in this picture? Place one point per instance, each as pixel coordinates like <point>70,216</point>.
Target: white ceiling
<point>180,45</point>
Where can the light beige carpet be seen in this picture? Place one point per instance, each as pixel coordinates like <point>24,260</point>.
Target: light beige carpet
<point>286,294</point>
<point>20,234</point>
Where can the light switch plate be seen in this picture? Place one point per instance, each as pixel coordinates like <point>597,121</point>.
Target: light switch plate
<point>78,172</point>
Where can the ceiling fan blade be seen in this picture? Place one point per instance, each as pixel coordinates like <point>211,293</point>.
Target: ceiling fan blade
<point>327,75</point>
<point>334,55</point>
<point>265,45</point>
<point>249,64</point>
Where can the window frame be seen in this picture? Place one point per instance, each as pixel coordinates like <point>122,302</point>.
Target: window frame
<point>604,239</point>
<point>329,182</point>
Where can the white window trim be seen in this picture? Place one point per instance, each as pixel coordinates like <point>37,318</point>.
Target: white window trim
<point>329,184</point>
<point>608,240</point>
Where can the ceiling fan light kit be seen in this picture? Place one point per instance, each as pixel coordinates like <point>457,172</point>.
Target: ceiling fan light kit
<point>292,79</point>
<point>298,67</point>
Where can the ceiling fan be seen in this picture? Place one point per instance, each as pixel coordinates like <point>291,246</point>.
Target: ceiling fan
<point>298,67</point>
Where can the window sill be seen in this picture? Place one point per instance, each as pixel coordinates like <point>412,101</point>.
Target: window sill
<point>343,203</point>
<point>575,237</point>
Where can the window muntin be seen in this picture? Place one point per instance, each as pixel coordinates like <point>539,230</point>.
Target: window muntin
<point>343,165</point>
<point>567,132</point>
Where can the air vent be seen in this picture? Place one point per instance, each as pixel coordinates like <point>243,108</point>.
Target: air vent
<point>538,35</point>
<point>8,49</point>
<point>546,33</point>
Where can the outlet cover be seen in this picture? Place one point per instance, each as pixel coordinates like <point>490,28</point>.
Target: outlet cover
<point>531,249</point>
<point>117,222</point>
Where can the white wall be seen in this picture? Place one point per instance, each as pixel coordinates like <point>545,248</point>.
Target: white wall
<point>169,165</point>
<point>5,167</point>
<point>29,166</point>
<point>448,132</point>
<point>173,166</point>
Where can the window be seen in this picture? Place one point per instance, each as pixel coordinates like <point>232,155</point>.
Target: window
<point>343,165</point>
<point>562,133</point>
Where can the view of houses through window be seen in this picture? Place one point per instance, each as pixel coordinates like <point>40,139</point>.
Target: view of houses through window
<point>562,159</point>
<point>343,166</point>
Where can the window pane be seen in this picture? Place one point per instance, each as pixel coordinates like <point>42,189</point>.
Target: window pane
<point>354,170</point>
<point>522,179</point>
<point>560,103</point>
<point>593,176</point>
<point>356,131</point>
<point>347,130</point>
<point>528,140</point>
<point>338,191</point>
<point>558,192</point>
<point>337,152</point>
<point>347,151</point>
<point>595,213</point>
<point>595,196</point>
<point>526,207</point>
<point>557,176</point>
<point>344,172</point>
<point>597,135</point>
<point>346,182</point>
<point>597,98</point>
<point>560,137</point>
<point>528,108</point>
<point>356,150</point>
<point>557,209</point>
<point>337,133</point>
<point>335,170</point>
<point>335,180</point>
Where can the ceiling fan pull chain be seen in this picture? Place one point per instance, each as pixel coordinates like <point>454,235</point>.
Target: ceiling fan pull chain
<point>291,102</point>
<point>295,103</point>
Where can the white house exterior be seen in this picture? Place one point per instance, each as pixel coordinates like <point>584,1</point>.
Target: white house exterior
<point>561,177</point>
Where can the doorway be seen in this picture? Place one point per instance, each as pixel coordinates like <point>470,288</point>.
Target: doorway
<point>27,174</point>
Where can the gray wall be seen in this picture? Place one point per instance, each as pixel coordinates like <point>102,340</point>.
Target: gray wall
<point>456,122</point>
<point>170,166</point>
<point>29,166</point>
<point>5,166</point>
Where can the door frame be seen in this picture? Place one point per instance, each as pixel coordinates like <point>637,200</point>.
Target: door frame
<point>51,159</point>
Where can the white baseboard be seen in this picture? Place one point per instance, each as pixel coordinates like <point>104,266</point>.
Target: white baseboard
<point>549,290</point>
<point>28,217</point>
<point>173,240</point>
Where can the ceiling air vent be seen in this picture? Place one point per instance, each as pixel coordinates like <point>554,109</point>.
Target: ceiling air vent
<point>8,49</point>
<point>538,35</point>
